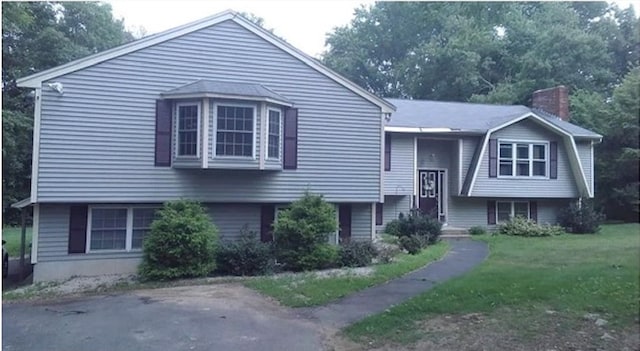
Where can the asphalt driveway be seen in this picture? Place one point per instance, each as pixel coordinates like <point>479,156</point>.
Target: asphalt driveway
<point>213,317</point>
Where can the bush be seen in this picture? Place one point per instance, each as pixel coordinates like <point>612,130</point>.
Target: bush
<point>416,223</point>
<point>247,256</point>
<point>520,226</point>
<point>477,230</point>
<point>580,219</point>
<point>357,254</point>
<point>302,232</point>
<point>413,244</point>
<point>182,243</point>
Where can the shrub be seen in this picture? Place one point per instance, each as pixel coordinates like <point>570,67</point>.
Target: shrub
<point>520,226</point>
<point>413,244</point>
<point>357,254</point>
<point>182,243</point>
<point>477,230</point>
<point>580,219</point>
<point>247,256</point>
<point>302,232</point>
<point>416,223</point>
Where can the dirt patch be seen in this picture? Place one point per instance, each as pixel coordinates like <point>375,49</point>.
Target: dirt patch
<point>501,331</point>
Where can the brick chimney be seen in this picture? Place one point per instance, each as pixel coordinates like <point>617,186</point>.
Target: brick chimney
<point>552,100</point>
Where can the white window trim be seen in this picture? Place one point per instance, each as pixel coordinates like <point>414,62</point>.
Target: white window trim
<point>129,230</point>
<point>513,209</point>
<point>215,130</point>
<point>268,126</point>
<point>198,131</point>
<point>514,158</point>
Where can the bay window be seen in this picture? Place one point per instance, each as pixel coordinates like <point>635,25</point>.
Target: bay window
<point>273,143</point>
<point>235,130</point>
<point>188,125</point>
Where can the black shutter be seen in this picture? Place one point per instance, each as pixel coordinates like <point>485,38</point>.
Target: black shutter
<point>78,229</point>
<point>493,158</point>
<point>533,211</point>
<point>163,133</point>
<point>267,215</point>
<point>290,146</point>
<point>553,160</point>
<point>379,213</point>
<point>491,212</point>
<point>387,152</point>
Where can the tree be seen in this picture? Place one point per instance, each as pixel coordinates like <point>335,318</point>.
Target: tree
<point>37,36</point>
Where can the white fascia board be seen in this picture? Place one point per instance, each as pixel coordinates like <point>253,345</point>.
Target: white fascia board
<point>35,80</point>
<point>416,130</point>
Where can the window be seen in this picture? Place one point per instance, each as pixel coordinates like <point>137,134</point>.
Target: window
<point>273,147</point>
<point>108,229</point>
<point>518,159</point>
<point>188,125</point>
<point>142,219</point>
<point>119,229</point>
<point>234,130</point>
<point>510,209</point>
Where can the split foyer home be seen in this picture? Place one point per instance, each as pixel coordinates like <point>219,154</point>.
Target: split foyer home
<point>223,112</point>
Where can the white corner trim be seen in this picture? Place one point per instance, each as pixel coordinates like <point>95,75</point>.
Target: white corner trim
<point>35,159</point>
<point>460,156</point>
<point>382,157</point>
<point>576,158</point>
<point>593,172</point>
<point>205,132</point>
<point>34,233</point>
<point>415,172</point>
<point>476,167</point>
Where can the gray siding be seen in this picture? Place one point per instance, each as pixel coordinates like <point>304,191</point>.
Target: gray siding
<point>361,222</point>
<point>231,218</point>
<point>392,207</point>
<point>97,140</point>
<point>399,180</point>
<point>563,187</point>
<point>440,154</point>
<point>584,151</point>
<point>469,146</point>
<point>469,212</point>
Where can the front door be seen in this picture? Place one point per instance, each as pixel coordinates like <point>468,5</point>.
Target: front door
<point>431,187</point>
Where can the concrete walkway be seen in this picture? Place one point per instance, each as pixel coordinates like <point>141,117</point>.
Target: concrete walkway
<point>464,255</point>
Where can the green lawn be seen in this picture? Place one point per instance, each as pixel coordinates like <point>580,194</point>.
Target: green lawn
<point>569,275</point>
<point>306,289</point>
<point>12,236</point>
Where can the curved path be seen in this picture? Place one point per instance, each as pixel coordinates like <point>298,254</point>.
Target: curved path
<point>464,255</point>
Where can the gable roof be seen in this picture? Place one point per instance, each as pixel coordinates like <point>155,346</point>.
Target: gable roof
<point>231,90</point>
<point>470,117</point>
<point>36,80</point>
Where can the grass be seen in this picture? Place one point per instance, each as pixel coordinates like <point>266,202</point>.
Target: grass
<point>12,236</point>
<point>307,289</point>
<point>570,274</point>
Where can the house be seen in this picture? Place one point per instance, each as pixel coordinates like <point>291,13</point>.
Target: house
<point>218,110</point>
<point>479,165</point>
<point>225,113</point>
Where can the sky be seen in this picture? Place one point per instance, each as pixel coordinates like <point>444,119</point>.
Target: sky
<point>304,24</point>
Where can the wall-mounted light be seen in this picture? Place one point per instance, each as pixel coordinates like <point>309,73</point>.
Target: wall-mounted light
<point>57,87</point>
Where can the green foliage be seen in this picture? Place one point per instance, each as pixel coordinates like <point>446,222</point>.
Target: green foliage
<point>247,256</point>
<point>580,219</point>
<point>182,243</point>
<point>520,226</point>
<point>37,36</point>
<point>416,223</point>
<point>357,254</point>
<point>302,231</point>
<point>477,230</point>
<point>413,244</point>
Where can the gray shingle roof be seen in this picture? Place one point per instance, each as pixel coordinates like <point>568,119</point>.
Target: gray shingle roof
<point>227,88</point>
<point>468,117</point>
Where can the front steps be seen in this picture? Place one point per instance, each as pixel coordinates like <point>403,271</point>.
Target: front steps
<point>452,232</point>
